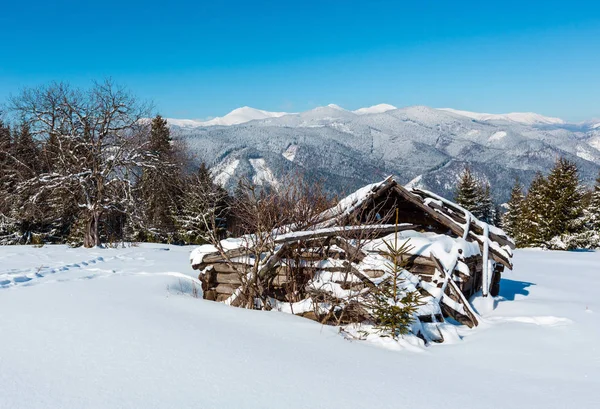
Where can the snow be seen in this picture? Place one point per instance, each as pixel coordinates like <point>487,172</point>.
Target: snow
<point>497,136</point>
<point>443,247</point>
<point>290,152</point>
<point>237,116</point>
<point>375,109</point>
<point>126,331</point>
<point>198,254</point>
<point>224,171</point>
<point>585,154</point>
<point>528,118</point>
<point>263,175</point>
<point>185,123</point>
<point>414,183</point>
<point>349,203</point>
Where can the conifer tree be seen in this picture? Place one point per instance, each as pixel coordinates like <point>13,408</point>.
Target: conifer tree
<point>468,193</point>
<point>487,207</point>
<point>204,208</point>
<point>498,216</point>
<point>393,307</point>
<point>593,209</point>
<point>533,224</point>
<point>513,218</point>
<point>7,223</point>
<point>160,186</point>
<point>564,210</point>
<point>25,152</point>
<point>5,150</point>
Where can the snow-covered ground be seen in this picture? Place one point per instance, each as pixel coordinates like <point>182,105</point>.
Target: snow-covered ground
<point>121,328</point>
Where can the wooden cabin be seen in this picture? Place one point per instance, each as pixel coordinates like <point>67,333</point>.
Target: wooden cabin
<point>450,256</point>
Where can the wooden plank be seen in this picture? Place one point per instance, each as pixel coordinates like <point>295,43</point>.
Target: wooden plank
<point>459,218</point>
<point>446,220</point>
<point>451,292</point>
<point>347,231</point>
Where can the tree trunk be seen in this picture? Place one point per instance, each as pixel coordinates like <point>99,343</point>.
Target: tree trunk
<point>91,237</point>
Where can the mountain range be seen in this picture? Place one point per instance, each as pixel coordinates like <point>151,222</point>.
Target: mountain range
<point>422,146</point>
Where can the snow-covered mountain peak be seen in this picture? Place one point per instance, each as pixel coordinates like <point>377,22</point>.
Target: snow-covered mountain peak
<point>242,115</point>
<point>235,117</point>
<point>335,106</point>
<point>375,109</point>
<point>527,118</point>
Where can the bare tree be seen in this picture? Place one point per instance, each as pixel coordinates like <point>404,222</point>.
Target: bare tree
<point>95,145</point>
<point>259,216</point>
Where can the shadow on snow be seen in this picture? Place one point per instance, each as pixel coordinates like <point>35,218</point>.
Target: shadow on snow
<point>511,288</point>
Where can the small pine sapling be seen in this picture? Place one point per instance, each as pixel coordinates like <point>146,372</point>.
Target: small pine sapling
<point>391,306</point>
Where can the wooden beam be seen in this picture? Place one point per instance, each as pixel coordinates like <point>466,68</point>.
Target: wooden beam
<point>452,294</point>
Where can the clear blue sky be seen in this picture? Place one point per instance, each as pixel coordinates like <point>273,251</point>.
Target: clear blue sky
<point>198,59</point>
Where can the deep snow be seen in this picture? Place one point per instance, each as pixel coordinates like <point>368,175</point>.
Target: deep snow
<point>107,328</point>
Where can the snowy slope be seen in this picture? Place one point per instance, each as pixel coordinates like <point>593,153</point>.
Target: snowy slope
<point>125,331</point>
<point>347,150</point>
<point>527,118</point>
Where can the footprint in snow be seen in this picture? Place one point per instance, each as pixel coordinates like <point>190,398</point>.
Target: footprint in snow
<point>21,279</point>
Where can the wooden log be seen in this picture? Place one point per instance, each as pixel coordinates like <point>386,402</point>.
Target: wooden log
<point>228,268</point>
<point>233,278</point>
<point>210,295</point>
<point>225,288</point>
<point>216,257</point>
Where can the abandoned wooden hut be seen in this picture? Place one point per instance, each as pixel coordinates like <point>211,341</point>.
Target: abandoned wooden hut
<point>321,272</point>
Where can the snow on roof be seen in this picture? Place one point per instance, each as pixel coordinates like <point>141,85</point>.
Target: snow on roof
<point>332,221</point>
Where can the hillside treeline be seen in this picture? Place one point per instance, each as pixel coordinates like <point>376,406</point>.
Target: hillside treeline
<point>556,211</point>
<point>86,166</point>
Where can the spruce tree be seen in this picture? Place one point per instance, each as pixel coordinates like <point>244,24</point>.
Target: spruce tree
<point>160,138</point>
<point>533,213</point>
<point>160,187</point>
<point>564,210</point>
<point>487,207</point>
<point>513,218</point>
<point>469,194</point>
<point>25,152</point>
<point>594,206</point>
<point>204,208</point>
<point>590,234</point>
<point>7,223</point>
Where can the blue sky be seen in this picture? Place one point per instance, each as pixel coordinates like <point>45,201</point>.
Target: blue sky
<point>200,59</point>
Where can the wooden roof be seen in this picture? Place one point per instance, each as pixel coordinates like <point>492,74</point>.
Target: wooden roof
<point>446,213</point>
